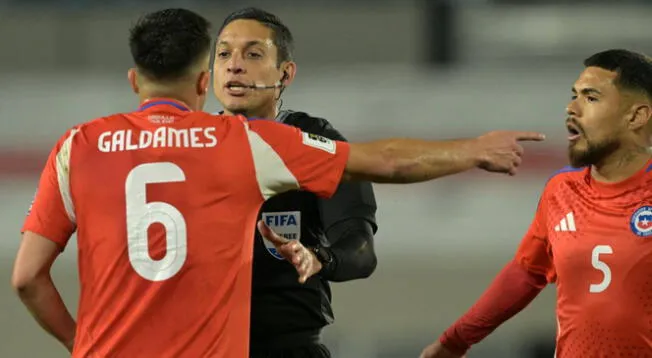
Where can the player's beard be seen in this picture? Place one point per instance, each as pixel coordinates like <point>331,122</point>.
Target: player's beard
<point>593,153</point>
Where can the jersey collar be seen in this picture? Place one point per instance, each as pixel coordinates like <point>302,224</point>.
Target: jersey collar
<point>163,104</point>
<point>624,184</point>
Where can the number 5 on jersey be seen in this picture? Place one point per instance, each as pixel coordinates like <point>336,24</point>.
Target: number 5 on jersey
<point>600,265</point>
<point>141,215</point>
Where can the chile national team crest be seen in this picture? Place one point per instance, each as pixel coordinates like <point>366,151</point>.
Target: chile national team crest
<point>286,224</point>
<point>641,221</point>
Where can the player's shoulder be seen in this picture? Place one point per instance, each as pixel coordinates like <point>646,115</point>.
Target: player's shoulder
<point>228,119</point>
<point>119,121</point>
<point>101,123</point>
<point>565,175</point>
<point>648,170</point>
<point>85,127</point>
<point>225,119</point>
<point>647,176</point>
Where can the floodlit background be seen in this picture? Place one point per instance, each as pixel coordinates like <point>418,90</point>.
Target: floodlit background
<point>431,69</point>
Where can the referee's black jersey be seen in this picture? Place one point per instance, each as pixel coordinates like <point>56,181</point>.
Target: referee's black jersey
<point>280,304</point>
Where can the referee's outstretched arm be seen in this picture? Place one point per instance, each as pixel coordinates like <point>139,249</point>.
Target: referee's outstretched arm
<point>412,160</point>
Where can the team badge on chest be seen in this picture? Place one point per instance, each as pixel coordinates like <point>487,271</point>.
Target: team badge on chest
<point>641,221</point>
<point>284,223</point>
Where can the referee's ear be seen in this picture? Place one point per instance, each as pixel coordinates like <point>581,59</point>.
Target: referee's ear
<point>288,71</point>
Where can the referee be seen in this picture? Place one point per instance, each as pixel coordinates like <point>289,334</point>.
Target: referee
<point>252,66</point>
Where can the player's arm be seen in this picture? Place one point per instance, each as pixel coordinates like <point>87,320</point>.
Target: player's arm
<point>286,158</point>
<point>510,292</point>
<point>32,282</point>
<point>46,231</point>
<point>519,282</point>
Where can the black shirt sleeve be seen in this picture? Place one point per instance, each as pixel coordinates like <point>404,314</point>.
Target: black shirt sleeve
<point>353,253</point>
<point>349,219</point>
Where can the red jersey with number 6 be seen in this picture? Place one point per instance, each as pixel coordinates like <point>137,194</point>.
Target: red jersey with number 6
<point>595,241</point>
<point>164,202</point>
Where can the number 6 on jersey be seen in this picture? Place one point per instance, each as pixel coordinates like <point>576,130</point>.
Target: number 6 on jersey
<point>601,266</point>
<point>141,215</point>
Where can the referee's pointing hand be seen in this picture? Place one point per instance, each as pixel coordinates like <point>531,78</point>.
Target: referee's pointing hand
<point>500,151</point>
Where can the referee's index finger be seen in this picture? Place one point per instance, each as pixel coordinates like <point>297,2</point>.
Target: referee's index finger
<point>533,136</point>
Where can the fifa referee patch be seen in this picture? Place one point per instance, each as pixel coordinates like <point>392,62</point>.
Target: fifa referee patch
<point>284,223</point>
<point>319,142</point>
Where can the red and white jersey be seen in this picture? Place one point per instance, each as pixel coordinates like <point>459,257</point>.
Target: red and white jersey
<point>164,201</point>
<point>594,240</point>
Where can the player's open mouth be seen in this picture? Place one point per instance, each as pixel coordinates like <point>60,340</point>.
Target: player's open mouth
<point>573,132</point>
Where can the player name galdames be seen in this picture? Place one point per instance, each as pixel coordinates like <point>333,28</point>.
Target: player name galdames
<point>163,137</point>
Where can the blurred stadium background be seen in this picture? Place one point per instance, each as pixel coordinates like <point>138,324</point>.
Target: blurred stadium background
<point>431,69</point>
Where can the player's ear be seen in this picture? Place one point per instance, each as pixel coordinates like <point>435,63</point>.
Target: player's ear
<point>203,81</point>
<point>288,71</point>
<point>132,75</point>
<point>640,115</point>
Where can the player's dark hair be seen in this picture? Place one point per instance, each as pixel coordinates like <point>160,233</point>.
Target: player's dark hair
<point>281,35</point>
<point>634,69</point>
<point>166,44</point>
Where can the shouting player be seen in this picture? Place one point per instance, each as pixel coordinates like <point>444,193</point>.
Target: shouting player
<point>164,201</point>
<point>288,315</point>
<point>592,232</point>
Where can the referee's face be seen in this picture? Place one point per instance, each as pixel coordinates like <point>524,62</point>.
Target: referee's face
<point>246,56</point>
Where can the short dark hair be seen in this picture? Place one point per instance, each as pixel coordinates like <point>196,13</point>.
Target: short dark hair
<point>165,44</point>
<point>281,35</point>
<point>634,69</point>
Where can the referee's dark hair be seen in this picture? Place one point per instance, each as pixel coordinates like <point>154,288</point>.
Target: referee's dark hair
<point>282,37</point>
<point>634,69</point>
<point>166,44</point>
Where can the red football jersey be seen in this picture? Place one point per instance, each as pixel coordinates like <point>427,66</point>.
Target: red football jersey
<point>595,241</point>
<point>164,202</point>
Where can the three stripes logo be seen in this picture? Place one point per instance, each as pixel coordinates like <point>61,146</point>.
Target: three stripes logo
<point>567,223</point>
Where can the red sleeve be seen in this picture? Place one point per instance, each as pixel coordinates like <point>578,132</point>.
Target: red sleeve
<point>51,214</point>
<point>510,292</point>
<point>535,253</point>
<point>286,159</point>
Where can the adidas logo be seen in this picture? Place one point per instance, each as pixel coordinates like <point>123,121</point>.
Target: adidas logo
<point>567,223</point>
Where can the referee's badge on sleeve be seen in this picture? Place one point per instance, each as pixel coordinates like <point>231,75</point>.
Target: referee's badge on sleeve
<point>284,223</point>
